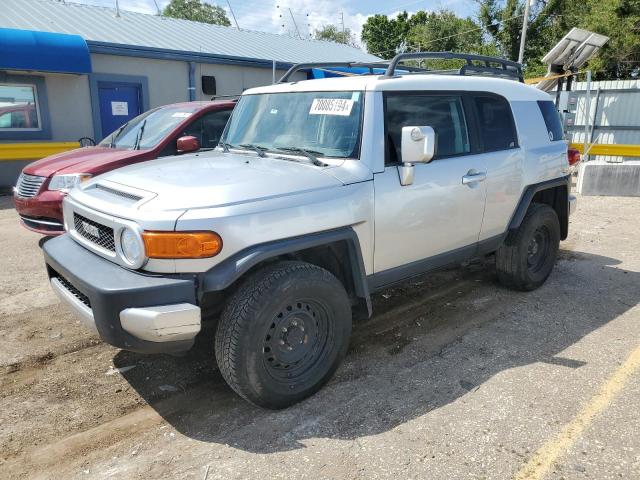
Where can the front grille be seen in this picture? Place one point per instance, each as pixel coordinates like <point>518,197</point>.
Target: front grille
<point>28,186</point>
<point>95,232</point>
<point>76,293</point>
<point>119,193</point>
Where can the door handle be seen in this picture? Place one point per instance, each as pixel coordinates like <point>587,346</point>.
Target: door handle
<point>472,176</point>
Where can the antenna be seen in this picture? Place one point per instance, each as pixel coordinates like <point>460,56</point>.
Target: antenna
<point>233,15</point>
<point>294,23</point>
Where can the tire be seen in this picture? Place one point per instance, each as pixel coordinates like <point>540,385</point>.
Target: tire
<point>528,255</point>
<point>283,334</point>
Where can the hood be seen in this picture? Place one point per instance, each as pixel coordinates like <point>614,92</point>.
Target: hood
<point>214,179</point>
<point>83,160</point>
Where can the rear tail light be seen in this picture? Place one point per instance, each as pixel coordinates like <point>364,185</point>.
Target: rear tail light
<point>573,156</point>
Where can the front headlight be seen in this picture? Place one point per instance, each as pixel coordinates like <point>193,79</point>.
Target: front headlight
<point>67,182</point>
<point>132,247</point>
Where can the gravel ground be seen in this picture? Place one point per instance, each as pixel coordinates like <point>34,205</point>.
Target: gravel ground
<point>454,377</point>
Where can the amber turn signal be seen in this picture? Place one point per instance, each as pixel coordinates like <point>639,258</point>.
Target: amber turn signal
<point>181,244</point>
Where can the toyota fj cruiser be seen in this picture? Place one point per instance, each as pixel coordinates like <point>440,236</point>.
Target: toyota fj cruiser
<point>320,193</point>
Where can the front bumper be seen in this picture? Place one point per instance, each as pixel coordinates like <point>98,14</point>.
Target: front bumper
<point>130,310</point>
<point>42,213</point>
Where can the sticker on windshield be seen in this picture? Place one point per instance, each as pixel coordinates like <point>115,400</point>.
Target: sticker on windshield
<point>331,106</point>
<point>181,115</point>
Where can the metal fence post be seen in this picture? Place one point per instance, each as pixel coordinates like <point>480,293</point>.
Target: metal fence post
<point>587,115</point>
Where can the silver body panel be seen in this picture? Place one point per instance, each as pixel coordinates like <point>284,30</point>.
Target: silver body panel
<point>452,202</point>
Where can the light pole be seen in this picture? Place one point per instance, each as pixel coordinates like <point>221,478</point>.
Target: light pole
<point>523,37</point>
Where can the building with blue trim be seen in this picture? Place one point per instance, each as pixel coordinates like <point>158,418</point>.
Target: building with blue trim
<point>69,71</point>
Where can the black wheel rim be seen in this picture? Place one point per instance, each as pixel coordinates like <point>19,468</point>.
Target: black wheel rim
<point>538,249</point>
<point>297,339</point>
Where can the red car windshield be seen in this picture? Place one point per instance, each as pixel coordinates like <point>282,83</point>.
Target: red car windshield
<point>147,130</point>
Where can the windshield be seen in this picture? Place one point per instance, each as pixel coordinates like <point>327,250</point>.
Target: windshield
<point>325,123</point>
<point>147,130</point>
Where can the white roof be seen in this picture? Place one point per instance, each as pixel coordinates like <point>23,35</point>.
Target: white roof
<point>510,89</point>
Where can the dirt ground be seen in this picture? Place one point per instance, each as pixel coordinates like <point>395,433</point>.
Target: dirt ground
<point>454,377</point>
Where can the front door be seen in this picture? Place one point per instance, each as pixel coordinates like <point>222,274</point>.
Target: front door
<point>442,210</point>
<point>119,103</point>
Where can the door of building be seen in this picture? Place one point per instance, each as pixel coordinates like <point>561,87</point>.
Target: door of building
<point>119,103</point>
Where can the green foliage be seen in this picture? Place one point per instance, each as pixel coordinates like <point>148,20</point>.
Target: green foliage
<point>198,11</point>
<point>385,36</point>
<point>331,33</point>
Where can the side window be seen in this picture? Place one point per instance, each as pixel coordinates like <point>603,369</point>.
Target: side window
<point>208,128</point>
<point>551,120</point>
<point>212,127</point>
<point>496,126</point>
<point>444,114</point>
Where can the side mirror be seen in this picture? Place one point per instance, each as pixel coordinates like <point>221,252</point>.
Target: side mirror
<point>187,144</point>
<point>418,145</point>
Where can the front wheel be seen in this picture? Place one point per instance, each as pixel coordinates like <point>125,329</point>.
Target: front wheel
<point>528,255</point>
<point>283,333</point>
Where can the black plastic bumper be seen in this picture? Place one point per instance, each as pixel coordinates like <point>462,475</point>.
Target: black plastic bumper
<point>110,289</point>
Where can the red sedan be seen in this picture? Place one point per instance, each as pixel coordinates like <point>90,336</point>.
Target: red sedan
<point>168,130</point>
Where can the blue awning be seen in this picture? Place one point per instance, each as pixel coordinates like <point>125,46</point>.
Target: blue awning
<point>43,52</point>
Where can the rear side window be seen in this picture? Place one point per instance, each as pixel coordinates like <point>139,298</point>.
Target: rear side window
<point>551,120</point>
<point>444,114</point>
<point>496,127</point>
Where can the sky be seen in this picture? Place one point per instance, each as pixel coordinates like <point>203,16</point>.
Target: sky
<point>275,16</point>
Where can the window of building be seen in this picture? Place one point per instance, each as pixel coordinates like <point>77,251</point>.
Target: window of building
<point>445,114</point>
<point>551,120</point>
<point>208,85</point>
<point>19,108</point>
<point>497,130</point>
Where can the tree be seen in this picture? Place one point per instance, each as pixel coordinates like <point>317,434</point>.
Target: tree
<point>444,31</point>
<point>198,11</point>
<point>384,36</point>
<point>331,33</point>
<point>550,20</point>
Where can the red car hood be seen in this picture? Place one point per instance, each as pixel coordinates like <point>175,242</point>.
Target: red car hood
<point>92,160</point>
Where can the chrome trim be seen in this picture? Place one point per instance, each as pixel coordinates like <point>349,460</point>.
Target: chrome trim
<point>41,222</point>
<point>28,186</point>
<point>80,309</point>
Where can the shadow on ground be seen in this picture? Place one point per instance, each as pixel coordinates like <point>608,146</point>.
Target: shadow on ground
<point>414,356</point>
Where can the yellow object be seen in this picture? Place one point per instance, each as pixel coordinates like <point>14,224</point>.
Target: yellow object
<point>544,459</point>
<point>34,151</point>
<point>610,150</point>
<point>181,244</point>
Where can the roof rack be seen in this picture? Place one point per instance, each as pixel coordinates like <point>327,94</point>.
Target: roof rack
<point>475,65</point>
<point>381,65</point>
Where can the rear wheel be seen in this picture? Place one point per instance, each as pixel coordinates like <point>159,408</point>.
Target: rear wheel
<point>283,333</point>
<point>528,255</point>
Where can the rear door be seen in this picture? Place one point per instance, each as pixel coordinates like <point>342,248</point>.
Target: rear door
<point>441,212</point>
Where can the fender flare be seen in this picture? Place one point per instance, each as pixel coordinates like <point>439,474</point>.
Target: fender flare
<point>528,194</point>
<point>233,268</point>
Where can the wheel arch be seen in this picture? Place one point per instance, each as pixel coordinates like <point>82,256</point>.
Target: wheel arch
<point>554,193</point>
<point>337,251</point>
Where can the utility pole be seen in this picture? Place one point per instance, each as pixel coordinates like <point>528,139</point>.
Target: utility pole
<point>342,22</point>
<point>117,9</point>
<point>233,15</point>
<point>523,37</point>
<point>294,23</point>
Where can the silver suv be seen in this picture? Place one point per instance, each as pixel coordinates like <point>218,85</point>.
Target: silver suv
<point>320,193</point>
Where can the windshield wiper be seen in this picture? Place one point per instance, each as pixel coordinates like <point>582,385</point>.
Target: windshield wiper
<point>140,133</point>
<point>256,148</point>
<point>310,154</point>
<point>112,144</point>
